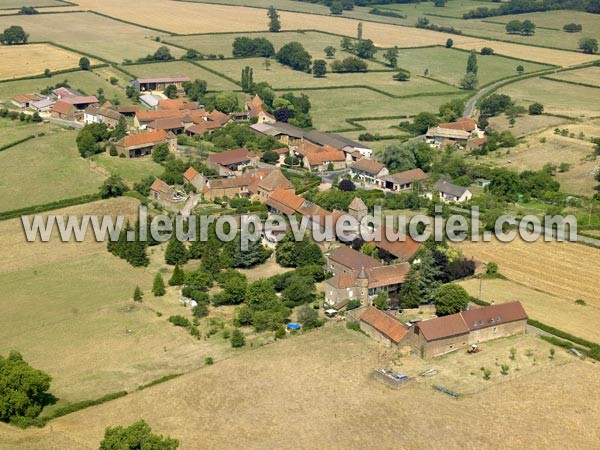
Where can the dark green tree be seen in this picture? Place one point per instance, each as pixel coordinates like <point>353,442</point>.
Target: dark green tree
<point>237,339</point>
<point>309,317</point>
<point>330,51</point>
<point>178,277</point>
<point>588,45</point>
<point>410,292</point>
<point>84,63</point>
<point>294,55</point>
<point>450,299</point>
<point>274,22</point>
<point>449,43</point>
<point>137,436</point>
<point>158,286</point>
<point>113,186</point>
<point>14,35</point>
<point>365,49</point>
<point>472,63</point>
<point>171,91</point>
<point>319,68</point>
<point>391,56</point>
<point>137,294</point>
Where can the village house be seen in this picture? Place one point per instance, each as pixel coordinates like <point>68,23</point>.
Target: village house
<point>450,193</point>
<point>175,125</point>
<point>476,144</point>
<point>255,111</point>
<point>347,260</point>
<point>195,178</point>
<point>382,327</point>
<point>63,110</point>
<point>203,128</point>
<point>159,83</point>
<point>340,143</point>
<point>177,103</point>
<point>462,123</point>
<point>159,190</point>
<point>325,160</point>
<point>402,181</point>
<point>285,133</point>
<point>128,110</point>
<point>229,162</point>
<point>144,118</point>
<point>65,92</point>
<point>141,144</point>
<point>445,334</point>
<point>369,171</point>
<point>270,183</point>
<point>394,245</point>
<point>107,116</point>
<point>228,188</point>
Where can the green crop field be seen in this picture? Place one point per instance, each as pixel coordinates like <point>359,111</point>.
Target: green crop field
<point>331,108</point>
<point>43,170</point>
<point>282,78</point>
<point>557,97</point>
<point>87,82</point>
<point>175,68</point>
<point>85,31</point>
<point>131,170</point>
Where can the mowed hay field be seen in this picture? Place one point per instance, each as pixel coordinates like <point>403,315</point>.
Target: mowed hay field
<point>90,33</point>
<point>132,171</point>
<point>32,59</point>
<point>566,270</point>
<point>557,98</point>
<point>14,130</point>
<point>190,18</point>
<point>589,75</point>
<point>303,390</point>
<point>564,314</point>
<point>8,4</point>
<point>44,170</point>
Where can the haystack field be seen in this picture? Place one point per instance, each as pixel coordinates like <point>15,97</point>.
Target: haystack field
<point>320,396</point>
<point>33,59</point>
<point>566,270</point>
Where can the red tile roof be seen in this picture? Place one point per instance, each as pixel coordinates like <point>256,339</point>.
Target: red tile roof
<point>442,327</point>
<point>80,100</point>
<point>477,318</point>
<point>353,259</point>
<point>387,275</point>
<point>231,157</point>
<point>62,107</point>
<point>403,250</point>
<point>368,165</point>
<point>275,179</point>
<point>149,137</point>
<point>316,158</point>
<point>203,127</point>
<point>464,124</point>
<point>160,186</point>
<point>408,176</point>
<point>285,201</point>
<point>178,103</point>
<point>171,123</point>
<point>385,324</point>
<point>228,183</point>
<point>190,174</point>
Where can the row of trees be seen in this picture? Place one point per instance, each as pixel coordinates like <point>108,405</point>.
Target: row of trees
<point>526,6</point>
<point>525,28</point>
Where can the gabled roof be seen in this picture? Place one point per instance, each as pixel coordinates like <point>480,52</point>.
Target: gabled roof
<point>333,140</point>
<point>80,100</point>
<point>104,112</point>
<point>285,201</point>
<point>44,103</point>
<point>316,158</point>
<point>448,133</point>
<point>446,187</point>
<point>149,116</point>
<point>443,327</point>
<point>369,166</point>
<point>177,79</point>
<point>403,250</point>
<point>231,156</point>
<point>408,176</point>
<point>342,280</point>
<point>353,259</point>
<point>385,324</point>
<point>66,92</point>
<point>178,103</point>
<point>203,127</point>
<point>146,138</point>
<point>170,123</point>
<point>463,123</point>
<point>26,98</point>
<point>190,174</point>
<point>128,108</point>
<point>357,204</point>
<point>62,107</point>
<point>160,186</point>
<point>218,116</point>
<point>228,183</point>
<point>477,318</point>
<point>275,179</point>
<point>387,275</point>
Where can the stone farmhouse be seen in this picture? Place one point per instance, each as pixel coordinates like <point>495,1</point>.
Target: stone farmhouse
<point>382,327</point>
<point>325,160</point>
<point>99,114</point>
<point>141,144</point>
<point>402,181</point>
<point>445,334</point>
<point>369,171</point>
<point>195,178</point>
<point>231,162</point>
<point>159,190</point>
<point>71,108</point>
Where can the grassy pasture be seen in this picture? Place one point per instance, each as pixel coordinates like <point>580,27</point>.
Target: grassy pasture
<point>331,108</point>
<point>557,98</point>
<point>87,82</point>
<point>238,384</point>
<point>526,124</point>
<point>131,170</point>
<point>565,315</point>
<point>543,266</point>
<point>33,59</point>
<point>90,33</point>
<point>454,8</point>
<point>589,75</point>
<point>384,127</point>
<point>174,68</point>
<point>282,77</point>
<point>14,130</point>
<point>43,170</point>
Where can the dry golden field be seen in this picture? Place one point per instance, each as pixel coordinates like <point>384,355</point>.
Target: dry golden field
<point>566,270</point>
<point>33,59</point>
<point>320,396</point>
<point>564,314</point>
<point>188,18</point>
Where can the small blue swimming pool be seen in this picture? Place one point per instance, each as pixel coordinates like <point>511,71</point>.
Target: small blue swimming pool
<point>293,326</point>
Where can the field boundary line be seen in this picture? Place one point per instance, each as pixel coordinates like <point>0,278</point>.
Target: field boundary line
<point>558,80</point>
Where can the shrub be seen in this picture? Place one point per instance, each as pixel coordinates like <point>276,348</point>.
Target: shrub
<point>504,369</point>
<point>487,373</point>
<point>280,333</point>
<point>535,109</point>
<point>237,339</point>
<point>209,361</point>
<point>487,51</point>
<point>492,268</point>
<point>179,321</point>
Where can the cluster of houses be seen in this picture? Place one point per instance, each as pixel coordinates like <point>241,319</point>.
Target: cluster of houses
<point>441,335</point>
<point>62,103</point>
<point>462,133</point>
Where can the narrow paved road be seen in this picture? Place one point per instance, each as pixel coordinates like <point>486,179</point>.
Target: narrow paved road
<point>470,106</point>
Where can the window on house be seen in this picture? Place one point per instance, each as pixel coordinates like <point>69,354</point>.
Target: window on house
<point>494,330</point>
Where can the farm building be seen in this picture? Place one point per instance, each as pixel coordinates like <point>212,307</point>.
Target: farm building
<point>25,100</point>
<point>159,83</point>
<point>231,161</point>
<point>285,133</point>
<point>338,142</point>
<point>63,110</point>
<point>394,245</point>
<point>255,110</point>
<point>202,128</point>
<point>347,260</point>
<point>43,105</point>
<point>382,327</point>
<point>65,92</point>
<point>442,335</point>
<point>403,181</point>
<point>270,183</point>
<point>150,101</point>
<point>369,171</point>
<point>228,187</point>
<point>161,190</point>
<point>107,116</point>
<point>462,123</point>
<point>449,192</point>
<point>141,144</point>
<point>325,160</point>
<point>439,137</point>
<point>195,178</point>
